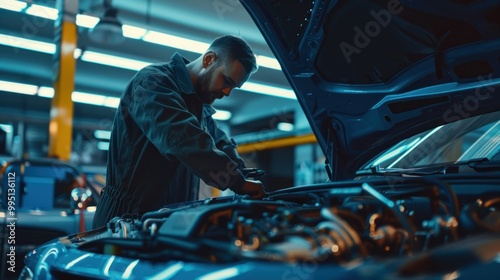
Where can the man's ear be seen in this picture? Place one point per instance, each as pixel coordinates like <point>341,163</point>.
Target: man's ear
<point>209,58</point>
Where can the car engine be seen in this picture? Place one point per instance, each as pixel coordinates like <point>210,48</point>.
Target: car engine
<point>330,223</point>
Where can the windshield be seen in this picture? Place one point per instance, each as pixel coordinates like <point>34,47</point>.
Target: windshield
<point>463,140</point>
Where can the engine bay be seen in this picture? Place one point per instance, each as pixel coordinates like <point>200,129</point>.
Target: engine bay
<point>335,223</point>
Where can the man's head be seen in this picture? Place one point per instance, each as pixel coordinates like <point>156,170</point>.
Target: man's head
<point>228,63</point>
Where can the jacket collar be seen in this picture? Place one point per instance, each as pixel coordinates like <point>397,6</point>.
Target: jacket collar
<point>208,110</point>
<point>182,77</point>
<point>184,80</point>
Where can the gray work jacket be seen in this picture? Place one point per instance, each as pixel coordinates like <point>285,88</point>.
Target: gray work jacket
<point>163,140</point>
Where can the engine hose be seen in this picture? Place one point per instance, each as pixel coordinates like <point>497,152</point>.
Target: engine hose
<point>350,234</point>
<point>395,210</point>
<point>451,195</point>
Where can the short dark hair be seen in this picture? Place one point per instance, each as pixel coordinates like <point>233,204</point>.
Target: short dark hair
<point>236,48</point>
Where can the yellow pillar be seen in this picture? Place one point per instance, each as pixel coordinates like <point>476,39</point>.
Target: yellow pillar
<point>61,112</point>
<point>277,143</point>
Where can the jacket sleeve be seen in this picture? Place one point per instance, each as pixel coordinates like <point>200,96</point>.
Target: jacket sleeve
<point>162,115</point>
<point>224,143</point>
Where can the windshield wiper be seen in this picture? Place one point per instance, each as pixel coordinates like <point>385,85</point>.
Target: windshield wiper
<point>418,171</point>
<point>479,164</point>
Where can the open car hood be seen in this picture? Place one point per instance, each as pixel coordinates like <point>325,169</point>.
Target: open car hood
<point>369,73</point>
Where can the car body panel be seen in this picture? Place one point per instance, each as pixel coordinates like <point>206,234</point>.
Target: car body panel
<point>95,266</point>
<point>55,259</point>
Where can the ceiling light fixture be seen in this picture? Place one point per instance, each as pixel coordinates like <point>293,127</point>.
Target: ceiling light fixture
<point>42,11</point>
<point>81,97</point>
<point>285,126</point>
<point>18,88</point>
<point>86,21</point>
<point>109,29</point>
<point>175,42</point>
<point>133,32</point>
<point>125,63</point>
<point>128,31</point>
<point>16,6</point>
<point>77,53</point>
<point>88,98</point>
<point>222,115</point>
<point>32,45</point>
<point>269,90</point>
<point>47,92</point>
<point>6,127</point>
<point>111,102</point>
<point>268,62</point>
<point>115,61</point>
<point>102,134</point>
<point>103,146</point>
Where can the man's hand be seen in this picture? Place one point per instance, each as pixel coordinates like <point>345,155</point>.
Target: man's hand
<point>254,189</point>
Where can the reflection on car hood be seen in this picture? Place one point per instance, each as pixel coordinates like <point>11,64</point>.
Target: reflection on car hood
<point>370,73</point>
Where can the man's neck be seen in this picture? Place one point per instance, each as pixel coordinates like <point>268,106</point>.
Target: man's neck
<point>194,67</point>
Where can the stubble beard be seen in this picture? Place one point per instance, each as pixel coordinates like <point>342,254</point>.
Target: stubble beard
<point>202,87</point>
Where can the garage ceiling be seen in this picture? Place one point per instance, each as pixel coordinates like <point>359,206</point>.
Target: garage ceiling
<point>191,19</point>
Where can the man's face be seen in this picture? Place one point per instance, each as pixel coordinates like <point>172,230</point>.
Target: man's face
<point>219,77</point>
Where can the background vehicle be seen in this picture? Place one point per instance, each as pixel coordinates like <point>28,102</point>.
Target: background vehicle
<point>42,206</point>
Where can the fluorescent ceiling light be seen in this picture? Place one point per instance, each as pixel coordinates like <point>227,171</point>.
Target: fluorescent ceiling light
<point>284,126</point>
<point>133,32</point>
<point>7,128</point>
<point>86,21</point>
<point>268,90</point>
<point>175,42</point>
<point>42,11</point>
<point>131,64</point>
<point>32,45</point>
<point>16,6</point>
<point>102,134</point>
<point>112,102</point>
<point>88,98</point>
<point>112,60</point>
<point>46,92</point>
<point>268,62</point>
<point>77,53</point>
<point>81,97</point>
<point>129,31</point>
<point>103,146</point>
<point>197,46</point>
<point>18,88</point>
<point>108,101</point>
<point>222,115</point>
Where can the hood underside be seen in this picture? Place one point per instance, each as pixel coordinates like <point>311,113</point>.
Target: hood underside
<point>369,73</point>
